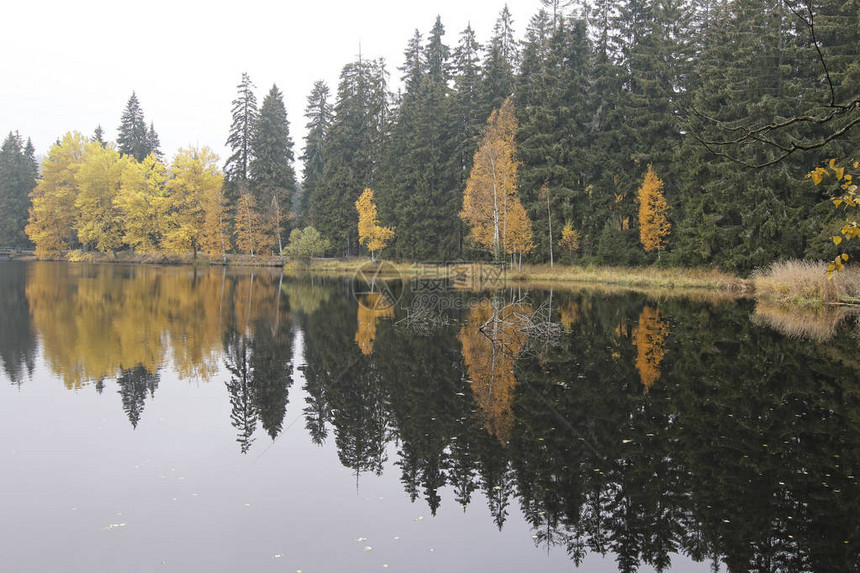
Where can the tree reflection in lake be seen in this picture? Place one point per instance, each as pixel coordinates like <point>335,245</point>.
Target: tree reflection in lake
<point>742,451</point>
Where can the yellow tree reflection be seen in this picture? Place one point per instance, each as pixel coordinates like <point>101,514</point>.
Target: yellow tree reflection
<point>492,339</point>
<point>651,337</point>
<point>373,306</point>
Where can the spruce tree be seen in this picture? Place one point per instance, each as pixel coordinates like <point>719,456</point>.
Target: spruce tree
<point>132,135</point>
<point>271,166</point>
<point>17,179</point>
<point>99,136</point>
<point>352,151</point>
<point>420,195</point>
<point>318,113</point>
<point>153,142</point>
<point>244,113</point>
<point>500,63</point>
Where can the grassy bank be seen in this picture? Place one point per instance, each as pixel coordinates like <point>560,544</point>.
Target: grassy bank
<point>637,278</point>
<point>805,283</point>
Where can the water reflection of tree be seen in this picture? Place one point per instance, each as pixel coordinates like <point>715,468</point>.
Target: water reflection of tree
<point>259,357</point>
<point>17,340</point>
<point>135,384</point>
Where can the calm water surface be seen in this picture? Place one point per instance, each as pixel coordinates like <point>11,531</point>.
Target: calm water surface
<point>167,419</point>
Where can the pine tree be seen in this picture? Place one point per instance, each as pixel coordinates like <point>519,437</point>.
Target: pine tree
<point>245,114</point>
<point>271,166</point>
<point>319,117</point>
<point>132,135</point>
<point>466,105</point>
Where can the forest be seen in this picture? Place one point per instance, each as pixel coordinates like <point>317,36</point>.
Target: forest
<point>678,132</point>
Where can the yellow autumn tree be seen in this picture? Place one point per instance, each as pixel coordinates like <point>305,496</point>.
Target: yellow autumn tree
<point>492,339</point>
<point>248,226</point>
<point>569,239</point>
<point>490,199</point>
<point>99,221</point>
<point>518,231</point>
<point>370,233</point>
<point>654,223</point>
<point>651,337</point>
<point>51,223</point>
<point>370,310</point>
<point>143,203</point>
<point>196,220</point>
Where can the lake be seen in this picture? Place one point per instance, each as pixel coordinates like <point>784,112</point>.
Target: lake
<point>182,419</point>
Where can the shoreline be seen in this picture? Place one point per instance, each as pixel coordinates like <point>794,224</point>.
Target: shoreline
<point>786,290</point>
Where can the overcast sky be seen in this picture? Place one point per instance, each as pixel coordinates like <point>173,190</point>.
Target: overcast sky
<point>72,65</point>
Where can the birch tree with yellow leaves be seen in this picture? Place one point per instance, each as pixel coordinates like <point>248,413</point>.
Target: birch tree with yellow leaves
<point>370,233</point>
<point>491,206</point>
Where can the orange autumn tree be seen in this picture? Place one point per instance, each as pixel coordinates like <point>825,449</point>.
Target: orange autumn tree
<point>370,233</point>
<point>371,308</point>
<point>654,223</point>
<point>651,337</point>
<point>492,340</point>
<point>491,206</point>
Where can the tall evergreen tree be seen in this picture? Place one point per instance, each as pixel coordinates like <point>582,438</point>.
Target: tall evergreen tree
<point>153,142</point>
<point>352,151</point>
<point>244,113</point>
<point>421,196</point>
<point>17,178</point>
<point>318,113</point>
<point>99,136</point>
<point>466,104</point>
<point>500,63</point>
<point>132,135</point>
<point>271,166</point>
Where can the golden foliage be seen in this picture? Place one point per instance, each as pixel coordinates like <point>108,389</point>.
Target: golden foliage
<point>143,203</point>
<point>250,235</point>
<point>370,310</point>
<point>99,221</point>
<point>492,339</point>
<point>654,223</point>
<point>491,206</point>
<point>370,233</point>
<point>848,197</point>
<point>95,321</point>
<point>195,199</point>
<point>569,239</point>
<point>651,337</point>
<point>51,224</point>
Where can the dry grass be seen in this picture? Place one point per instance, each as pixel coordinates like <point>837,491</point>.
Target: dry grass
<point>644,277</point>
<point>806,283</point>
<point>815,323</point>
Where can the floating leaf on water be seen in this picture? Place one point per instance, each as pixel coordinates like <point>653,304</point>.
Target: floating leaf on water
<point>361,538</point>
<point>396,537</point>
<point>277,556</point>
<point>626,441</point>
<point>419,518</point>
<point>368,548</point>
<point>114,525</point>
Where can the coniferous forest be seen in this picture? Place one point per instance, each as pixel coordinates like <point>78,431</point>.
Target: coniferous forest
<point>727,105</point>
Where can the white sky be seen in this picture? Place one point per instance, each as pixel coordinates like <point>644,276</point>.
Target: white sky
<point>72,65</point>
